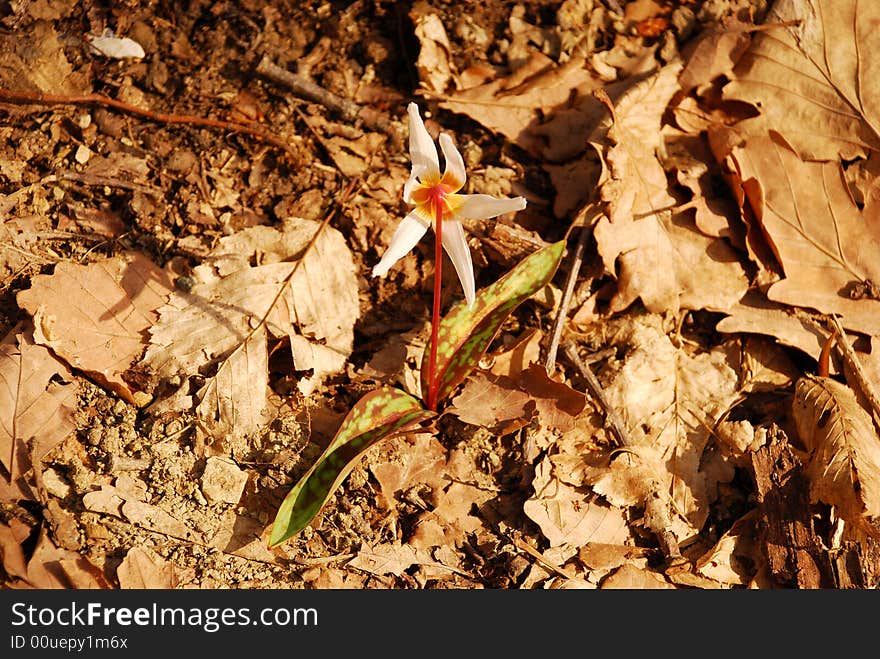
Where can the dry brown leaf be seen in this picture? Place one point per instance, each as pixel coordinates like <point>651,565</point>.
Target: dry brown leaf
<point>217,321</point>
<point>39,63</point>
<point>413,462</point>
<point>393,558</point>
<point>511,106</point>
<point>669,401</point>
<point>492,401</point>
<point>736,557</point>
<point>354,155</point>
<point>513,360</point>
<point>629,577</point>
<point>568,516</point>
<point>825,244</point>
<point>399,361</point>
<point>95,317</point>
<point>755,314</point>
<point>55,568</point>
<point>437,72</point>
<point>714,53</point>
<point>142,568</point>
<point>451,520</point>
<point>12,553</point>
<point>657,257</point>
<point>815,78</point>
<point>715,215</point>
<point>37,399</point>
<point>233,401</point>
<point>123,503</point>
<point>844,463</point>
<point>635,184</point>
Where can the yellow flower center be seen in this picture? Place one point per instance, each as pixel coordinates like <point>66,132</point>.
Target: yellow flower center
<point>435,193</point>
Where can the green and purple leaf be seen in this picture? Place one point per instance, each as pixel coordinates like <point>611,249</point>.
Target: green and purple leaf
<point>466,332</point>
<point>376,416</point>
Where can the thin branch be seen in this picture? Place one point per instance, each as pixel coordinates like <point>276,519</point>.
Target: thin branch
<point>39,98</point>
<point>562,313</point>
<point>855,366</point>
<point>311,91</point>
<point>612,419</point>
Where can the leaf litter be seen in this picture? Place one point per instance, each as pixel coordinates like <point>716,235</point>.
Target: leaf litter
<point>185,328</point>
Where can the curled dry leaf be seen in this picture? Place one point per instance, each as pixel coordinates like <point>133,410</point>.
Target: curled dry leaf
<point>844,463</point>
<point>217,322</point>
<point>142,568</point>
<point>734,559</point>
<point>95,317</point>
<point>714,53</point>
<point>658,258</point>
<point>755,314</point>
<point>568,516</point>
<point>511,105</point>
<point>37,399</point>
<point>669,401</point>
<point>436,69</point>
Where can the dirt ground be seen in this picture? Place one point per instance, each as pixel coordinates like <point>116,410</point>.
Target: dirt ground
<point>137,493</point>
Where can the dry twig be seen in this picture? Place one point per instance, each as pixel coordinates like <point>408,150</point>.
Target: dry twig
<point>39,98</point>
<point>311,91</point>
<point>612,419</point>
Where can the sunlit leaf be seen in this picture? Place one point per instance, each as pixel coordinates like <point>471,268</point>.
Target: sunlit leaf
<point>466,332</point>
<point>377,415</point>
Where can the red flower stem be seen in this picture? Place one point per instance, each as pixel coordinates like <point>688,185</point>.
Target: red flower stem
<point>433,380</point>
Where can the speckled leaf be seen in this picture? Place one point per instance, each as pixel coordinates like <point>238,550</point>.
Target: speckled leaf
<point>466,332</point>
<point>379,414</point>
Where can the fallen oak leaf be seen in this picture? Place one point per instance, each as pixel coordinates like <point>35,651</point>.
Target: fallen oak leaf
<point>656,257</point>
<point>142,568</point>
<point>813,77</point>
<point>37,400</point>
<point>812,224</point>
<point>493,401</point>
<point>95,317</point>
<point>312,301</point>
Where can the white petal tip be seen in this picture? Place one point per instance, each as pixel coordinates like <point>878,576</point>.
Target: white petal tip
<point>379,272</point>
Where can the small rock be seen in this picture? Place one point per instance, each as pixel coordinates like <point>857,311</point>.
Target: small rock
<point>141,398</point>
<point>82,154</point>
<point>223,481</point>
<point>55,484</point>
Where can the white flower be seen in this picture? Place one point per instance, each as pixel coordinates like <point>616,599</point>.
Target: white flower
<point>427,189</point>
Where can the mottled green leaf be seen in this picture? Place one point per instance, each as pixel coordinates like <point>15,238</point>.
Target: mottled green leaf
<point>466,332</point>
<point>379,414</point>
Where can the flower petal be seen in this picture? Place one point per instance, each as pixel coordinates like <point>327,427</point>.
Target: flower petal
<point>408,233</point>
<point>455,175</point>
<point>455,244</point>
<point>483,206</point>
<point>411,184</point>
<point>422,150</point>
